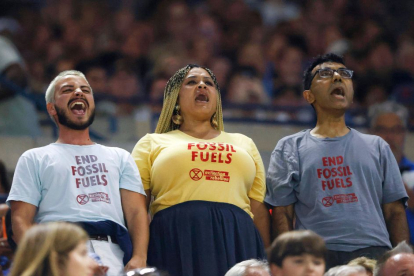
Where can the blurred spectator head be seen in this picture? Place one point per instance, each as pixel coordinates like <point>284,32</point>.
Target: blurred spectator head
<point>156,94</point>
<point>124,82</point>
<point>289,68</point>
<point>389,121</point>
<point>302,246</point>
<point>381,57</point>
<point>221,66</point>
<point>56,248</point>
<point>251,267</point>
<point>245,87</point>
<point>97,78</point>
<point>289,96</point>
<point>396,260</point>
<point>374,93</point>
<point>251,54</point>
<point>200,50</point>
<point>405,56</point>
<point>347,270</point>
<point>368,264</point>
<point>12,67</point>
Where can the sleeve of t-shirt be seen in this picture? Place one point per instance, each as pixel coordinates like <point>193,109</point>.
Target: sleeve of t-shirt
<point>258,189</point>
<point>141,156</point>
<point>26,184</point>
<point>282,175</point>
<point>393,186</point>
<point>130,178</point>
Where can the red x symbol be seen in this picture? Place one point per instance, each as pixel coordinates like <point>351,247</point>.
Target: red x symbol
<point>196,174</point>
<point>327,201</point>
<point>82,199</point>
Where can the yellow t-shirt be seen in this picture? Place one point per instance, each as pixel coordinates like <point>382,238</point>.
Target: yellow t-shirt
<point>177,168</point>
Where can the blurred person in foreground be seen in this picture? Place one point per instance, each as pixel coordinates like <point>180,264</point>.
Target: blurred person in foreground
<point>53,249</point>
<point>347,270</point>
<point>78,180</point>
<point>208,185</point>
<point>368,264</point>
<point>297,253</point>
<point>389,120</point>
<point>397,262</point>
<point>336,181</point>
<point>251,267</point>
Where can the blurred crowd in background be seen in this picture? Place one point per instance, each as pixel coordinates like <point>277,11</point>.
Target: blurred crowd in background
<point>257,49</point>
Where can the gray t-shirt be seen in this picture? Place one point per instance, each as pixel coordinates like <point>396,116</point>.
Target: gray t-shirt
<point>338,186</point>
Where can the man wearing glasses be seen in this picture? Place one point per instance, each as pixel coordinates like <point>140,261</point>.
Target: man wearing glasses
<point>389,120</point>
<point>334,180</point>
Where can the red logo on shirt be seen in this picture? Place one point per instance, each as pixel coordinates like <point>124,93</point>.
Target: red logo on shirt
<point>82,199</point>
<point>327,201</point>
<point>196,174</point>
<point>341,198</point>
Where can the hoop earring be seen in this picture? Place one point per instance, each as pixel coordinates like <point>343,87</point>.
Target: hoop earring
<point>214,122</point>
<point>177,118</point>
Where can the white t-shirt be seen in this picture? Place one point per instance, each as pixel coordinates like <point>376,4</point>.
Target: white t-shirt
<point>75,183</point>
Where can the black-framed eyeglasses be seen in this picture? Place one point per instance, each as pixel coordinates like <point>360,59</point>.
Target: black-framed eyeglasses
<point>326,73</point>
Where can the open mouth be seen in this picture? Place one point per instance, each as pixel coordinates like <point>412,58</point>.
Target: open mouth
<point>201,97</point>
<point>78,107</point>
<point>339,91</point>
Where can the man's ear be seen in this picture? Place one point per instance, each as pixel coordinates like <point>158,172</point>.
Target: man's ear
<point>309,97</point>
<point>51,109</point>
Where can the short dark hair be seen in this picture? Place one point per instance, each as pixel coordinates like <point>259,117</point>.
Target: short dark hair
<point>296,243</point>
<point>307,76</point>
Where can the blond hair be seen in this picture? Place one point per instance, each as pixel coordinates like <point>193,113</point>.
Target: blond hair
<point>44,249</point>
<point>171,91</point>
<point>51,89</point>
<point>368,264</point>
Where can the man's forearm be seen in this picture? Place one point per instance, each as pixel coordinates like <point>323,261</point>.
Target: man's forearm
<point>19,227</point>
<point>282,217</point>
<point>139,235</point>
<point>398,228</point>
<point>396,220</point>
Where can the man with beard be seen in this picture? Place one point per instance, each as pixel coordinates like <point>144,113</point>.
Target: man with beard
<point>334,180</point>
<point>77,180</point>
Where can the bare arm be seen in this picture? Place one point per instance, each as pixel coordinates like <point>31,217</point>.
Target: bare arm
<point>22,215</point>
<point>261,220</point>
<point>135,212</point>
<point>282,219</point>
<point>396,220</point>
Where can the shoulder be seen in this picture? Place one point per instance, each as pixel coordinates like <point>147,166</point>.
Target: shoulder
<point>40,151</point>
<point>109,150</point>
<point>291,140</point>
<point>368,138</point>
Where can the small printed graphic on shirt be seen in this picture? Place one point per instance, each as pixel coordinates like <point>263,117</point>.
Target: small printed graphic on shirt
<point>340,198</point>
<point>93,197</point>
<point>197,174</point>
<point>82,199</point>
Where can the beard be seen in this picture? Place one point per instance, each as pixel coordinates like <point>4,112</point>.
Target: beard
<point>64,120</point>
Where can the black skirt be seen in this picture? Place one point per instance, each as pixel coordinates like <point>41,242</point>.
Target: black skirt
<point>202,238</point>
